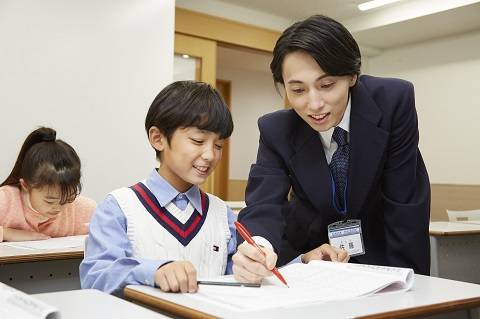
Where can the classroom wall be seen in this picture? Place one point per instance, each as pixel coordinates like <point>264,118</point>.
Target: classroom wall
<point>445,74</point>
<point>89,69</point>
<point>253,95</point>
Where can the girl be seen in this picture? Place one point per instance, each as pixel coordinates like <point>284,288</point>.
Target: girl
<point>38,200</point>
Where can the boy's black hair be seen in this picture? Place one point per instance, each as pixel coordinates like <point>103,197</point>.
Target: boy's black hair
<point>189,103</point>
<point>45,161</point>
<point>325,40</point>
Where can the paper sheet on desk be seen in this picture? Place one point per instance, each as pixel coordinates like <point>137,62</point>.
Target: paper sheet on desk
<point>318,281</point>
<point>51,243</point>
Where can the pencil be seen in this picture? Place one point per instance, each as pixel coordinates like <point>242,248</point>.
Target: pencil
<point>233,284</point>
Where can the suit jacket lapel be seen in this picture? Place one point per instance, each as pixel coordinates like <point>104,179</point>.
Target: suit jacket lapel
<point>311,169</point>
<point>367,147</point>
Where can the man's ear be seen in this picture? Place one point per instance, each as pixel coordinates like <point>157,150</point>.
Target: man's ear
<point>157,139</point>
<point>353,80</point>
<point>23,185</point>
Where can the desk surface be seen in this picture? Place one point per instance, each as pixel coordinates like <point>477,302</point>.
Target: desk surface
<point>429,296</point>
<point>93,304</point>
<point>10,255</point>
<point>454,228</point>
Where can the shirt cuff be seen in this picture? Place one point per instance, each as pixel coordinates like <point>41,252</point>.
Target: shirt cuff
<point>146,269</point>
<point>259,240</point>
<point>297,260</point>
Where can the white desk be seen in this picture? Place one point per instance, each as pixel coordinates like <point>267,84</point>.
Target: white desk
<point>93,304</point>
<point>430,296</point>
<point>455,250</point>
<point>35,271</point>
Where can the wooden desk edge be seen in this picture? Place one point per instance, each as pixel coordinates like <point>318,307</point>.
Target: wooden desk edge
<point>40,257</point>
<point>453,232</point>
<point>442,307</point>
<point>164,305</point>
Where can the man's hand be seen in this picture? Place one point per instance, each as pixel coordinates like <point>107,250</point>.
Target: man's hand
<point>249,265</point>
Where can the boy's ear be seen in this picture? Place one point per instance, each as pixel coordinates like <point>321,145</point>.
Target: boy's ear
<point>157,139</point>
<point>23,184</point>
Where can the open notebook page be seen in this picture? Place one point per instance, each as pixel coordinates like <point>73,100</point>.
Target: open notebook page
<point>51,243</point>
<point>316,282</point>
<point>15,304</point>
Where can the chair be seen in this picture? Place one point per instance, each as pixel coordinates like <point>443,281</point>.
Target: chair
<point>463,215</point>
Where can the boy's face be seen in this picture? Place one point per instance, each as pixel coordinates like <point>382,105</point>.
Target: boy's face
<point>190,158</point>
<point>318,98</point>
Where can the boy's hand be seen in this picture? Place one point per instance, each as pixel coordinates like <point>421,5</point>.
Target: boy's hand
<point>177,276</point>
<point>10,234</point>
<point>249,265</point>
<point>326,252</point>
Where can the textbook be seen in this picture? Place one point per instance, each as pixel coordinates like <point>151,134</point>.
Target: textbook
<point>15,304</point>
<point>317,281</point>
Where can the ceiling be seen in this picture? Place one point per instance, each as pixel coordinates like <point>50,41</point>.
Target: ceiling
<point>402,23</point>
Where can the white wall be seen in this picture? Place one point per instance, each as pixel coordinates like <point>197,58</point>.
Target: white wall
<point>89,69</point>
<point>253,95</point>
<point>445,73</point>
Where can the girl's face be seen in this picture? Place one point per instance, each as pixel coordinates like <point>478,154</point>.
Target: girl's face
<point>190,158</point>
<point>45,200</point>
<point>318,98</point>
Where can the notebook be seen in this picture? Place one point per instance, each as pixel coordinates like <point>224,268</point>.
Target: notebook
<point>318,281</point>
<point>15,304</point>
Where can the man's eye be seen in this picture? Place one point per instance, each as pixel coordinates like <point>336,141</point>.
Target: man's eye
<point>327,85</point>
<point>297,91</point>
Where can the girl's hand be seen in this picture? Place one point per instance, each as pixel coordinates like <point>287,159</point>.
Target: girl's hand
<point>326,252</point>
<point>10,234</point>
<point>177,276</point>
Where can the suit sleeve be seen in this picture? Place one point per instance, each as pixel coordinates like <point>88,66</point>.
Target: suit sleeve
<point>406,192</point>
<point>267,190</point>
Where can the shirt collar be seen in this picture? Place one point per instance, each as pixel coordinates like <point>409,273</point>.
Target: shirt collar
<point>165,193</point>
<point>326,136</point>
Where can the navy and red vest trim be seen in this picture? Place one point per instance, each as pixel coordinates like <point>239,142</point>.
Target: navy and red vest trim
<point>184,233</point>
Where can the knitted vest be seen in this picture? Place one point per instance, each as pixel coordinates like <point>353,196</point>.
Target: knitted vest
<point>169,233</point>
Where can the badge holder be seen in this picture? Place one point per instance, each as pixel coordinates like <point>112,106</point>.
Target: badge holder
<point>347,234</point>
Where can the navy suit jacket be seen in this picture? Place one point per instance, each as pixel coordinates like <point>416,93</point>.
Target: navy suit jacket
<point>289,193</point>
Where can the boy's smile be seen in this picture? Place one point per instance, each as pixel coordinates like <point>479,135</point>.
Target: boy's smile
<point>189,158</point>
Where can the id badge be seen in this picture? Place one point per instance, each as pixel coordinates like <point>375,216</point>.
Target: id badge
<point>347,235</point>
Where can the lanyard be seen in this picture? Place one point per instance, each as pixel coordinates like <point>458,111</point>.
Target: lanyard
<point>334,198</point>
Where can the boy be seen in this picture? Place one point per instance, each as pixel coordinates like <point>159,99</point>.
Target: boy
<point>164,231</point>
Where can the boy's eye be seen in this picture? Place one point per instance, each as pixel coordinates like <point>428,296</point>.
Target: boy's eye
<point>49,203</point>
<point>196,141</point>
<point>218,146</point>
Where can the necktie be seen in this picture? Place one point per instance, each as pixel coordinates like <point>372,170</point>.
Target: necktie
<point>339,164</point>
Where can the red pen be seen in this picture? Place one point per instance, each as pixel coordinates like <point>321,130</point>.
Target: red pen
<point>248,238</point>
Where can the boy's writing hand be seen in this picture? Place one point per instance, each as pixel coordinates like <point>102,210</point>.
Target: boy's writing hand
<point>249,265</point>
<point>326,252</point>
<point>10,234</point>
<point>177,276</point>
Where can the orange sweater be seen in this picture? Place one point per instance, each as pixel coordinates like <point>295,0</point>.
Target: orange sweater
<point>15,213</point>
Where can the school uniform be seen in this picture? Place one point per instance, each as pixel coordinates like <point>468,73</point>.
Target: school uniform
<point>17,212</point>
<point>138,229</point>
<point>387,188</point>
